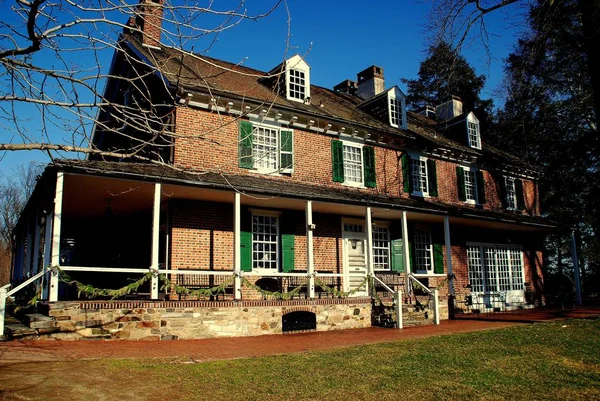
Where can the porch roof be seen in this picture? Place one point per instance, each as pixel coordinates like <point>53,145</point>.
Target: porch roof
<point>284,188</point>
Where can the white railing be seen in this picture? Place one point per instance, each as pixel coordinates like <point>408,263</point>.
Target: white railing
<point>434,294</point>
<point>5,293</point>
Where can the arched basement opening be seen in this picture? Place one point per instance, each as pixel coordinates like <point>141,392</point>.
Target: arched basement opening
<point>298,321</point>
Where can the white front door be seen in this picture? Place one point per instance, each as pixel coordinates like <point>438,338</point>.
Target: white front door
<point>355,266</point>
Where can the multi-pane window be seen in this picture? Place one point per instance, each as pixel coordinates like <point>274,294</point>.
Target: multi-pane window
<point>297,84</point>
<point>494,268</point>
<point>418,175</point>
<point>264,148</point>
<point>470,186</point>
<point>396,112</point>
<point>473,132</point>
<point>353,228</point>
<point>423,250</point>
<point>264,242</point>
<point>511,193</point>
<point>353,164</point>
<point>381,248</point>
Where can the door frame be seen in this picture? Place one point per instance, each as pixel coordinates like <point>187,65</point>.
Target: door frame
<point>350,235</point>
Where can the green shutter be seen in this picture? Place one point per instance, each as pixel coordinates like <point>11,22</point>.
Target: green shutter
<point>286,151</point>
<point>432,177</point>
<point>369,166</point>
<point>337,160</point>
<point>245,145</point>
<point>398,255</point>
<point>407,182</point>
<point>287,252</point>
<point>519,194</point>
<point>480,186</point>
<point>460,183</point>
<point>246,251</point>
<point>438,259</point>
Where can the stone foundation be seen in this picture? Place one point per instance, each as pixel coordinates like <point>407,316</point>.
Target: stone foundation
<point>146,320</point>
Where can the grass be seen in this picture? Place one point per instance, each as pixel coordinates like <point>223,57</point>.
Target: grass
<point>549,361</point>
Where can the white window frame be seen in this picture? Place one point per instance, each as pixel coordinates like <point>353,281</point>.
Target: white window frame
<point>473,170</point>
<point>473,125</point>
<point>511,192</point>
<point>276,215</point>
<point>483,271</point>
<point>423,160</point>
<point>296,63</point>
<point>397,99</point>
<point>361,184</point>
<point>418,269</point>
<point>386,226</point>
<point>278,169</point>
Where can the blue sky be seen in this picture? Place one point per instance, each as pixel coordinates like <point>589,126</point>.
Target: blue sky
<point>339,39</point>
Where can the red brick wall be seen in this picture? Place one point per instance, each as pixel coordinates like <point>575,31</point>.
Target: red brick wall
<point>209,141</point>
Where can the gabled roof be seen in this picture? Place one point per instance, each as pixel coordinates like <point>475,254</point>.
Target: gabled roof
<point>198,73</point>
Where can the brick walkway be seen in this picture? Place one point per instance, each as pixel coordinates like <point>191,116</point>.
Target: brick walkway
<point>245,347</point>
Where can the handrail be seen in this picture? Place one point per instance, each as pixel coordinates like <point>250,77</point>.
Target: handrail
<point>423,286</point>
<point>25,283</point>
<point>388,289</point>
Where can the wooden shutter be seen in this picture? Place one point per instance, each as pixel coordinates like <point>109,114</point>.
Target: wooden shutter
<point>519,194</point>
<point>398,255</point>
<point>287,252</point>
<point>432,177</point>
<point>245,145</point>
<point>480,186</point>
<point>437,238</point>
<point>407,182</point>
<point>369,166</point>
<point>460,183</point>
<point>246,251</point>
<point>286,152</point>
<point>337,160</point>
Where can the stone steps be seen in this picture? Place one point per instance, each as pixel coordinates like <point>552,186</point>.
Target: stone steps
<point>31,326</point>
<point>410,316</point>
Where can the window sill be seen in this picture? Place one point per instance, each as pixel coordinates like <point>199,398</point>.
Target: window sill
<point>418,275</point>
<point>353,184</point>
<point>272,173</point>
<point>420,194</point>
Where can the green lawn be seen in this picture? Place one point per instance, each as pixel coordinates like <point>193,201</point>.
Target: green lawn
<point>550,361</point>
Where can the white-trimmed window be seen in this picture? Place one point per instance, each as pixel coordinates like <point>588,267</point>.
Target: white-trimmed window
<point>353,164</point>
<point>511,192</point>
<point>474,138</point>
<point>495,268</point>
<point>297,84</point>
<point>423,250</point>
<point>381,248</point>
<point>418,176</point>
<point>396,114</point>
<point>265,243</point>
<point>265,150</point>
<point>470,186</point>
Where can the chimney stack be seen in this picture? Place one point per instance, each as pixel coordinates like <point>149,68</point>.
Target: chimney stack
<point>148,18</point>
<point>346,86</point>
<point>370,82</point>
<point>428,111</point>
<point>450,109</point>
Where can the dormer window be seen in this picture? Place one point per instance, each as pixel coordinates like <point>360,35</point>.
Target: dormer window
<point>473,135</point>
<point>396,108</point>
<point>297,80</point>
<point>297,86</point>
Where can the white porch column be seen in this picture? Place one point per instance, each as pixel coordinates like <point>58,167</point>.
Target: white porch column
<point>47,250</point>
<point>155,239</point>
<point>58,198</point>
<point>405,245</point>
<point>237,256</point>
<point>369,224</point>
<point>310,262</point>
<point>448,252</point>
<point>576,272</point>
<point>36,245</point>
<point>2,310</point>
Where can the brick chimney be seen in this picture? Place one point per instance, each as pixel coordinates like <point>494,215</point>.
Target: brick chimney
<point>148,20</point>
<point>370,82</point>
<point>450,109</point>
<point>346,86</point>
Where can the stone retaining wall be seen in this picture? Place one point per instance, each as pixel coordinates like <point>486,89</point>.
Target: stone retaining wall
<point>197,319</point>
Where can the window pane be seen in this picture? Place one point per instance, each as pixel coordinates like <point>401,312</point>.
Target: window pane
<point>419,175</point>
<point>502,269</point>
<point>297,85</point>
<point>264,148</point>
<point>470,191</point>
<point>396,112</point>
<point>511,195</point>
<point>473,130</point>
<point>475,268</point>
<point>423,250</point>
<point>381,248</point>
<point>264,240</point>
<point>353,164</point>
